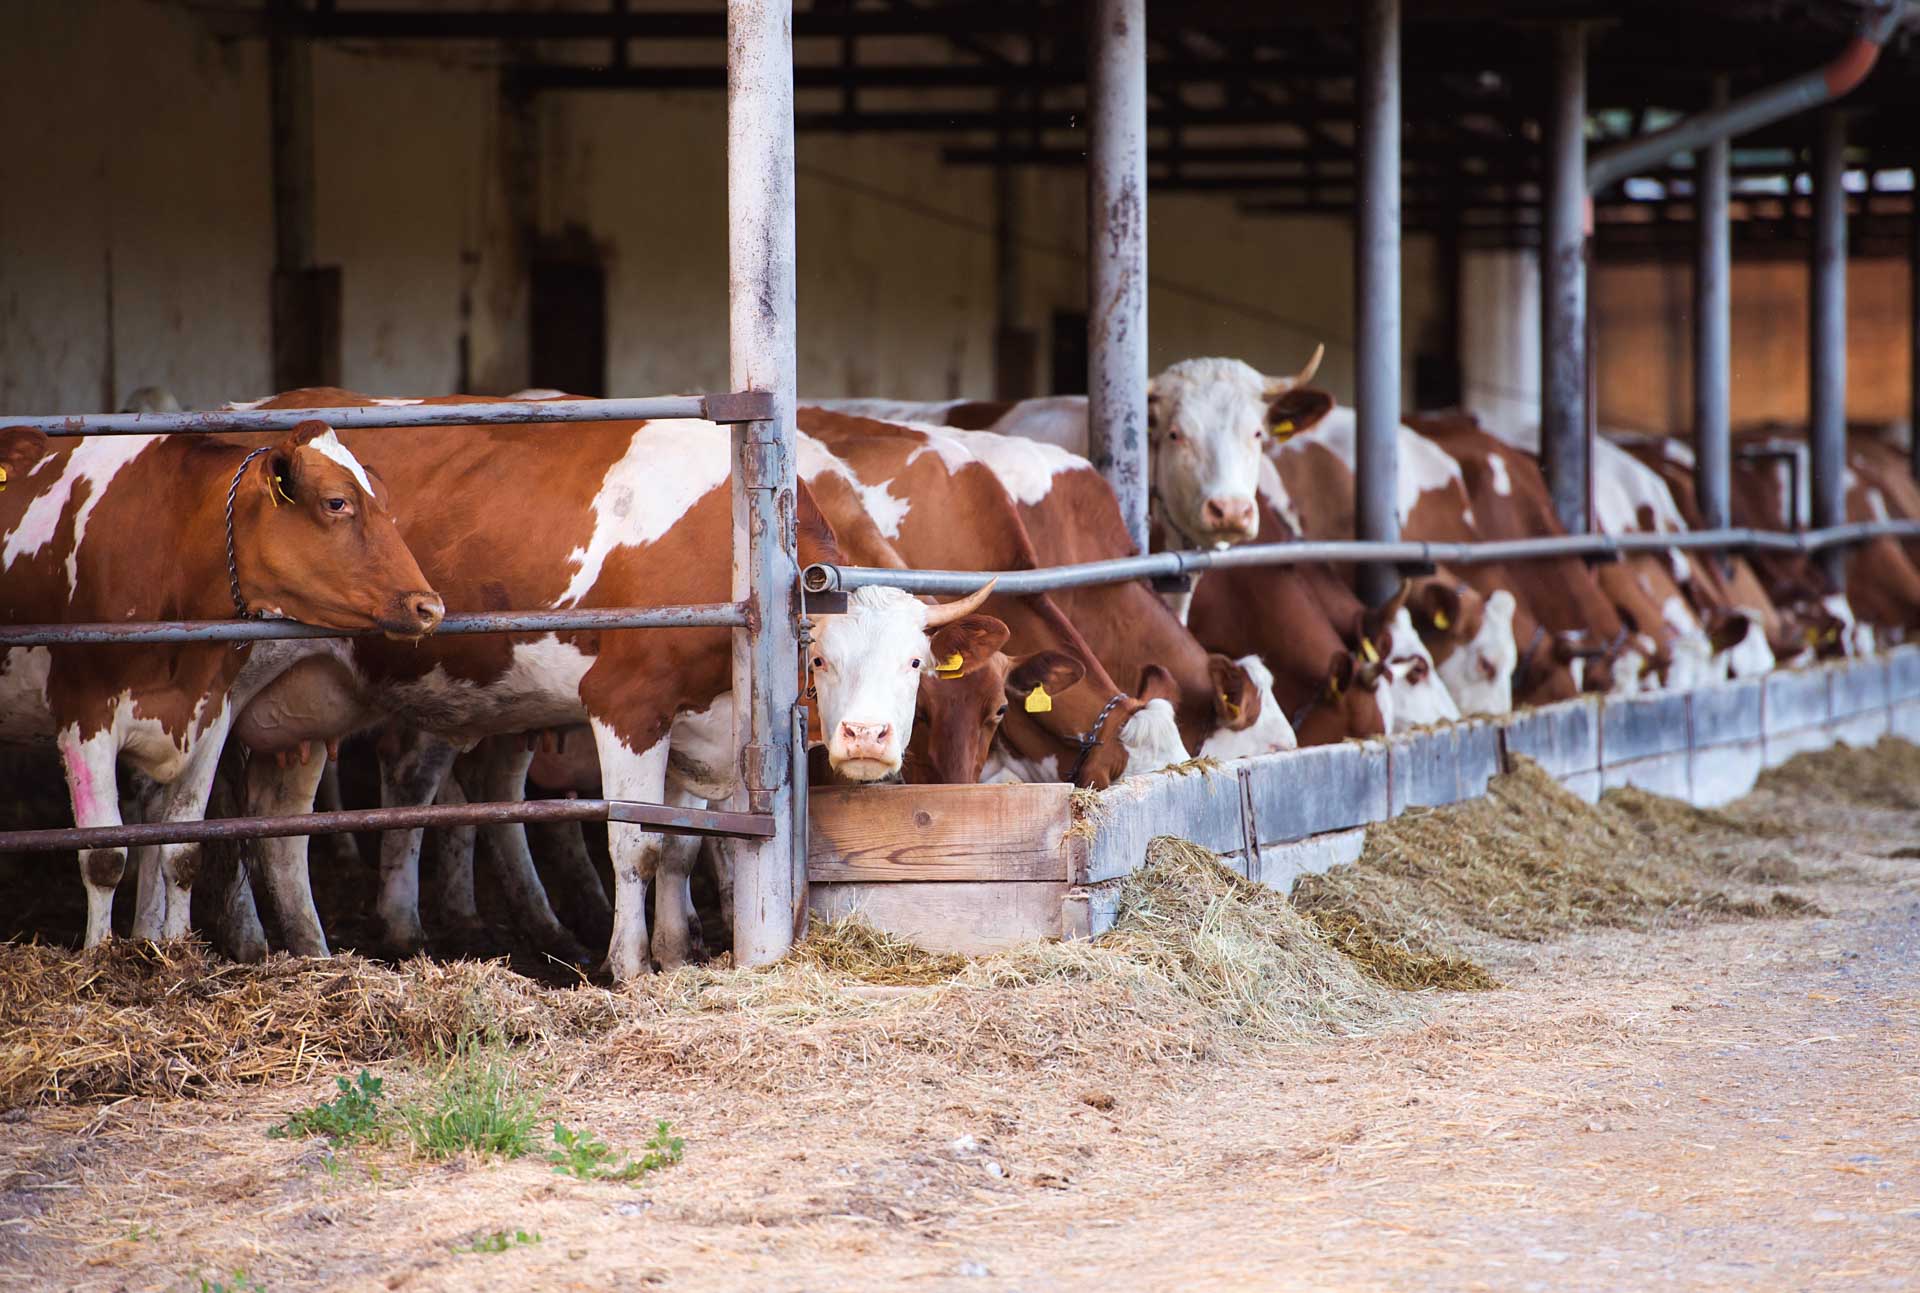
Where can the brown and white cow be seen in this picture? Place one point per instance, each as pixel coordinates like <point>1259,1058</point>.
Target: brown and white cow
<point>135,527</point>
<point>586,515</point>
<point>944,509</point>
<point>1206,421</point>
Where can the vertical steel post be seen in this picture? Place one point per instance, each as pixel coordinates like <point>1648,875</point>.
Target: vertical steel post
<point>1827,334</point>
<point>1913,333</point>
<point>1377,292</point>
<point>1117,255</point>
<point>1712,324</point>
<point>1563,284</point>
<point>290,85</point>
<point>769,878</point>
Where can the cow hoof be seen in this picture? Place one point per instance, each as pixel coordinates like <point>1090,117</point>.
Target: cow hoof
<point>400,944</point>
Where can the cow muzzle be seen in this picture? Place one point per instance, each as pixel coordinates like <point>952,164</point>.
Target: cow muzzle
<point>1229,518</point>
<point>413,615</point>
<point>864,751</point>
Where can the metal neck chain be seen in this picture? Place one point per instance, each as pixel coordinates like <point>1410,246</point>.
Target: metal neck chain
<point>1092,740</point>
<point>233,569</point>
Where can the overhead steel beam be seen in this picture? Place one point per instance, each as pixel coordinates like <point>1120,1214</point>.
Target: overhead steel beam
<point>1117,256</point>
<point>1827,334</point>
<point>1377,397</point>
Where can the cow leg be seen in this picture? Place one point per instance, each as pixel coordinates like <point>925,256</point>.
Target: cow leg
<point>505,769</point>
<point>92,786</point>
<point>276,791</point>
<point>409,778</point>
<point>150,894</point>
<point>673,891</point>
<point>640,776</point>
<point>453,861</point>
<point>717,853</point>
<point>186,801</point>
<point>239,933</point>
<point>579,896</point>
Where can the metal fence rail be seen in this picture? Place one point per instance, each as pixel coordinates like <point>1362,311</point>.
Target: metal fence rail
<point>825,578</point>
<point>697,616</point>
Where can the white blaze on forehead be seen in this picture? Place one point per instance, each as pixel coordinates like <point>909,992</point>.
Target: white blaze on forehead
<point>1026,468</point>
<point>1268,733</point>
<point>1151,738</point>
<point>1424,466</point>
<point>1415,704</point>
<point>96,460</point>
<point>328,445</point>
<point>1492,651</point>
<point>886,511</point>
<point>669,466</point>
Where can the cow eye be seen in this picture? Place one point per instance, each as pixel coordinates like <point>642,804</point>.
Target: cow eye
<point>336,504</point>
<point>916,662</point>
<point>818,663</point>
<point>1001,712</point>
<point>1173,437</point>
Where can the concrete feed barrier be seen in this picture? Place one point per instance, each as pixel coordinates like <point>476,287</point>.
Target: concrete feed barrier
<point>966,868</point>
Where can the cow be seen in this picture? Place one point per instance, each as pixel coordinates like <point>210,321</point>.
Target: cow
<point>584,515</point>
<point>180,527</point>
<point>945,509</point>
<point>1225,707</point>
<point>1206,419</point>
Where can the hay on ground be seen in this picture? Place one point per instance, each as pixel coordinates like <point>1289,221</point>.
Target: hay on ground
<point>1529,860</point>
<point>1885,776</point>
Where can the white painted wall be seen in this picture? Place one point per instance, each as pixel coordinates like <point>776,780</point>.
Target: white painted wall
<point>137,175</point>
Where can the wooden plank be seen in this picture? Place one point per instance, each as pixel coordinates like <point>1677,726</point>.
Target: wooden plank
<point>881,834</point>
<point>972,918</point>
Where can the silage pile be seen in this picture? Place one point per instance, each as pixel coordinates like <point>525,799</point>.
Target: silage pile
<point>1885,776</point>
<point>1200,963</point>
<point>1529,861</point>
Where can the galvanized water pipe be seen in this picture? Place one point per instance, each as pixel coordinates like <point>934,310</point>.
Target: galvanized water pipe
<point>1377,401</point>
<point>1563,284</point>
<point>769,908</point>
<point>1117,255</point>
<point>731,407</point>
<point>1712,330</point>
<point>1827,333</point>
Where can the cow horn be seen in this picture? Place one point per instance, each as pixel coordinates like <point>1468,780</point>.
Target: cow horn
<point>947,614</point>
<point>1313,365</point>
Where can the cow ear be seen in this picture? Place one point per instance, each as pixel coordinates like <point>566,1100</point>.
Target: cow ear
<point>1340,671</point>
<point>20,449</point>
<point>1236,701</point>
<point>1054,670</point>
<point>1157,684</point>
<point>1436,606</point>
<point>965,645</point>
<point>1297,410</point>
<point>283,472</point>
<point>1729,629</point>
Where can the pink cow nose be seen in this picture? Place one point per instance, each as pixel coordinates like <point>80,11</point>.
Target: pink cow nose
<point>865,740</point>
<point>1230,515</point>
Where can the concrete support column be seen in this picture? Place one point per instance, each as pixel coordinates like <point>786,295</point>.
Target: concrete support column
<point>1563,284</point>
<point>769,896</point>
<point>1377,291</point>
<point>1712,330</point>
<point>1827,333</point>
<point>1117,255</point>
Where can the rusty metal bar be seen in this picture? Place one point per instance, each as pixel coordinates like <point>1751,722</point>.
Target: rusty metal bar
<point>733,406</point>
<point>697,616</point>
<point>823,578</point>
<point>667,818</point>
<point>1117,255</point>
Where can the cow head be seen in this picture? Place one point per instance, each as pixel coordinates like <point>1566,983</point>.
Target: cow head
<point>1207,424</point>
<point>1419,697</point>
<point>1470,638</point>
<point>1352,703</point>
<point>1248,720</point>
<point>866,666</point>
<point>1739,643</point>
<point>313,541</point>
<point>960,714</point>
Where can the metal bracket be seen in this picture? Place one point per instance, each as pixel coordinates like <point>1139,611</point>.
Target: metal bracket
<point>1181,583</point>
<point>738,406</point>
<point>826,603</point>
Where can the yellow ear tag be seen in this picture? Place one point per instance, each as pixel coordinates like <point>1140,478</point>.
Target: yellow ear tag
<point>3,479</point>
<point>1366,649</point>
<point>280,489</point>
<point>1283,428</point>
<point>1233,710</point>
<point>1038,702</point>
<point>1440,620</point>
<point>951,666</point>
<point>1333,689</point>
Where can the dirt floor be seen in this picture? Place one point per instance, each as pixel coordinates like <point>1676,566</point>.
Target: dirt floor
<point>1714,1105</point>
